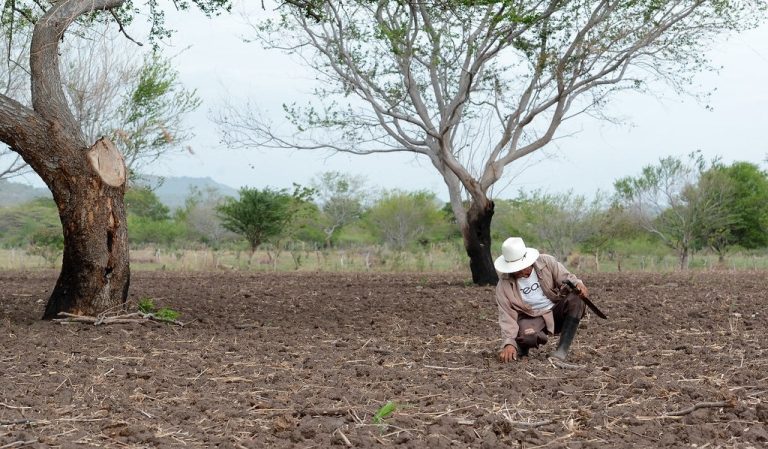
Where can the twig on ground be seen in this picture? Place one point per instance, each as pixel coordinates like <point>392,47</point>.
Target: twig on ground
<point>560,438</point>
<point>532,424</point>
<point>18,444</point>
<point>17,422</point>
<point>323,412</point>
<point>343,437</point>
<point>458,368</point>
<point>680,413</point>
<point>447,412</point>
<point>695,407</point>
<point>564,365</point>
<point>13,407</point>
<point>136,317</point>
<point>399,430</point>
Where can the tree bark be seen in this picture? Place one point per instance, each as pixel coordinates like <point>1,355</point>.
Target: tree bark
<point>477,242</point>
<point>95,272</point>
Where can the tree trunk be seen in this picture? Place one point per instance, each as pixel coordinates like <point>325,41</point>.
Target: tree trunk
<point>477,242</point>
<point>684,254</point>
<point>88,184</point>
<point>95,272</point>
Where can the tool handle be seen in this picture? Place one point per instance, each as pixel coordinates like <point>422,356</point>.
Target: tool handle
<point>569,283</point>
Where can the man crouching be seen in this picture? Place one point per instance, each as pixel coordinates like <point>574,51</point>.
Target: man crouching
<point>530,303</point>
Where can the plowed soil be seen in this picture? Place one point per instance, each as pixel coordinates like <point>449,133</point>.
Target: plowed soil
<point>306,360</point>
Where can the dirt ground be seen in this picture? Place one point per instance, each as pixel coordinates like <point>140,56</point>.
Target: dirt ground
<point>306,360</point>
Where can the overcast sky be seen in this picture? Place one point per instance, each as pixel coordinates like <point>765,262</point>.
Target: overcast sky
<point>219,65</point>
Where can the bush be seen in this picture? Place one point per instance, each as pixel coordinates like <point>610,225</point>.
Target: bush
<point>143,231</point>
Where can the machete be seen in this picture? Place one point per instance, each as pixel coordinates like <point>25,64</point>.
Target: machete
<point>587,301</point>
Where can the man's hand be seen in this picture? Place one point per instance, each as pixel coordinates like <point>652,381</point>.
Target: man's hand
<point>508,354</point>
<point>580,288</point>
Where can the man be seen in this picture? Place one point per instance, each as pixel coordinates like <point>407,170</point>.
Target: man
<point>533,303</point>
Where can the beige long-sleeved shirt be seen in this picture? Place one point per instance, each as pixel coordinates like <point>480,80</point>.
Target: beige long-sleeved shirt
<point>551,275</point>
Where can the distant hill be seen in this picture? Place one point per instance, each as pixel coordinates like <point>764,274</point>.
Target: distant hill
<point>12,193</point>
<point>172,191</point>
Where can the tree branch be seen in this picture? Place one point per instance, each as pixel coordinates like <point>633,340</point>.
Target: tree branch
<point>47,93</point>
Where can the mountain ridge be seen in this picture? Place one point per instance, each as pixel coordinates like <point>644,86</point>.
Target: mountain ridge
<point>171,190</point>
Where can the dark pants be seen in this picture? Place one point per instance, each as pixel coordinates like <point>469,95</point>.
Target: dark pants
<point>533,330</point>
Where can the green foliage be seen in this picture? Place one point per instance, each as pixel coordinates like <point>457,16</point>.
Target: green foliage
<point>401,219</point>
<point>167,314</point>
<point>147,231</point>
<point>18,224</point>
<point>474,85</point>
<point>48,243</point>
<point>147,306</point>
<point>263,214</point>
<point>612,226</point>
<point>554,222</point>
<point>384,412</point>
<point>152,112</point>
<point>22,12</point>
<point>143,202</point>
<point>749,204</point>
<point>307,224</point>
<point>342,201</point>
<point>200,218</point>
<point>680,203</point>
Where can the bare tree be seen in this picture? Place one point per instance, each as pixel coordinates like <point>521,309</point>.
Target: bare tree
<point>199,213</point>
<point>97,71</point>
<point>342,199</point>
<point>475,86</point>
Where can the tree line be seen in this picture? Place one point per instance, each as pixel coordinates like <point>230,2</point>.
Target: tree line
<point>685,204</point>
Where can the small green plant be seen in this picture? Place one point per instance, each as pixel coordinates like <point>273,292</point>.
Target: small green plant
<point>147,307</point>
<point>384,412</point>
<point>167,314</point>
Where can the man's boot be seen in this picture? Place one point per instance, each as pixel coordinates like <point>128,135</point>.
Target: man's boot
<point>570,324</point>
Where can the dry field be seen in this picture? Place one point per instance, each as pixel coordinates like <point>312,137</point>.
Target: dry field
<point>306,360</point>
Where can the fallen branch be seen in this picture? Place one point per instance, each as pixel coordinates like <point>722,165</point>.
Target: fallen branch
<point>136,317</point>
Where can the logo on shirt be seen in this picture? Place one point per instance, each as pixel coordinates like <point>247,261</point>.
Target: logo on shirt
<point>532,288</point>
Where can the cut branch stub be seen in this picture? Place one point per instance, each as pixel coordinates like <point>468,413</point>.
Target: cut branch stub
<point>108,162</point>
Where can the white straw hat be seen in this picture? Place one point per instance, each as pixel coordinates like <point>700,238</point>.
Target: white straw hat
<point>515,256</point>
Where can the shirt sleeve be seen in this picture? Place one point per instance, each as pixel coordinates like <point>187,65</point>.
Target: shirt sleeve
<point>507,319</point>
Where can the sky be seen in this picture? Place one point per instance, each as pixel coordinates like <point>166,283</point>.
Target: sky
<point>212,57</point>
